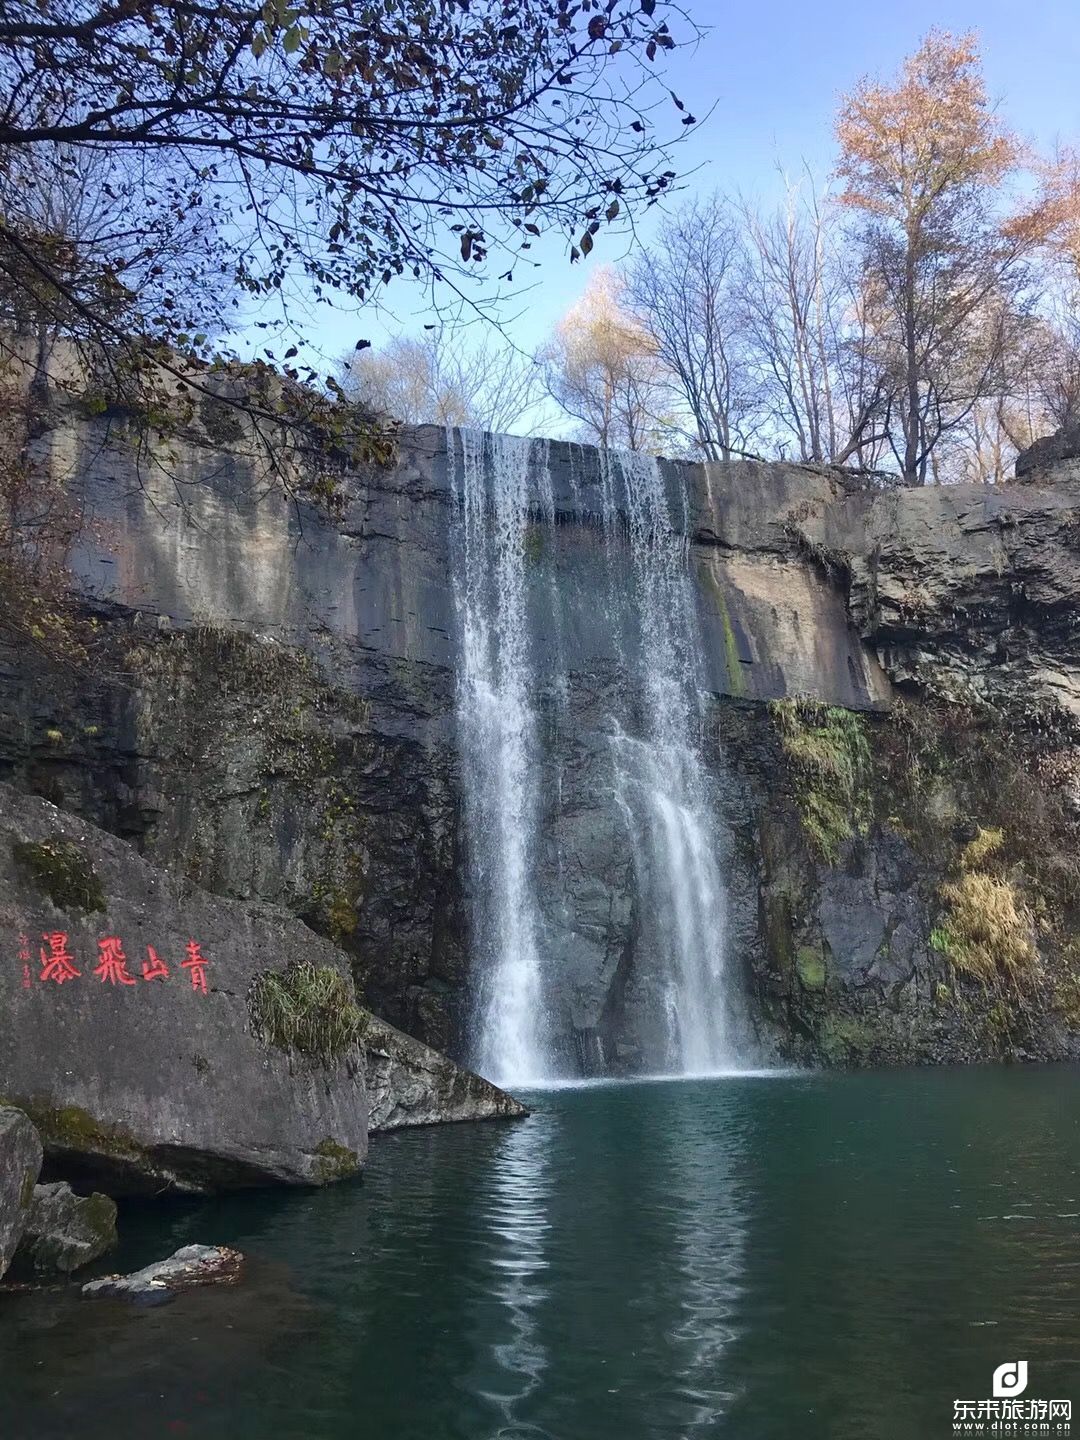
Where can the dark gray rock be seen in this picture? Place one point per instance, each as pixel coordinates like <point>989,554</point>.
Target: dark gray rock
<point>20,1163</point>
<point>1052,452</point>
<point>409,1084</point>
<point>966,591</point>
<point>188,1268</point>
<point>852,923</point>
<point>65,1231</point>
<point>140,1083</point>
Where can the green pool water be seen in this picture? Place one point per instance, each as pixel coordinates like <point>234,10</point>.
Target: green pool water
<point>793,1256</point>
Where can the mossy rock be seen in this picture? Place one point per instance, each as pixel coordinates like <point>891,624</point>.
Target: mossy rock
<point>72,1128</point>
<point>810,967</point>
<point>60,870</point>
<point>335,1162</point>
<point>65,1231</point>
<point>845,1040</point>
<point>828,756</point>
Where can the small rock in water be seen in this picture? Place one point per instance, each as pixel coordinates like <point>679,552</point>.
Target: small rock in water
<point>65,1230</point>
<point>157,1284</point>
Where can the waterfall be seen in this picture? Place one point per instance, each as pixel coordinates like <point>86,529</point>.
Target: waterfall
<point>497,726</point>
<point>658,788</point>
<point>661,777</point>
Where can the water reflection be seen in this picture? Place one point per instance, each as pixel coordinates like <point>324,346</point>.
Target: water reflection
<point>705,1154</point>
<point>518,1223</point>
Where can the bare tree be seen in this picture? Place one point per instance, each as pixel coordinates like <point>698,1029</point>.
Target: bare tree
<point>445,378</point>
<point>603,369</point>
<point>781,278</point>
<point>340,144</point>
<point>1052,222</point>
<point>682,291</point>
<point>115,255</point>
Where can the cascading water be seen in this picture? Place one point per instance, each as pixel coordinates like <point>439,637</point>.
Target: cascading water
<point>661,776</point>
<point>658,789</point>
<point>497,726</point>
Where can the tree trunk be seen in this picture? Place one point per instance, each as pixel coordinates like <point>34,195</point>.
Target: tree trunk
<point>911,363</point>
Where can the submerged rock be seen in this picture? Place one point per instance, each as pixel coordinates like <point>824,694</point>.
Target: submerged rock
<point>65,1231</point>
<point>408,1084</point>
<point>190,1267</point>
<point>20,1162</point>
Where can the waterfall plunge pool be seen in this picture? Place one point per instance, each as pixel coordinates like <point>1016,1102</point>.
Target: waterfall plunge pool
<point>797,1255</point>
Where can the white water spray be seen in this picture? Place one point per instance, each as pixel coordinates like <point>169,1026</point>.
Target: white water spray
<point>497,724</point>
<point>660,784</point>
<point>661,775</point>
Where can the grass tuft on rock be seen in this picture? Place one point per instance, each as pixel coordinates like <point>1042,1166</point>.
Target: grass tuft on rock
<point>60,870</point>
<point>308,1010</point>
<point>988,930</point>
<point>988,843</point>
<point>827,749</point>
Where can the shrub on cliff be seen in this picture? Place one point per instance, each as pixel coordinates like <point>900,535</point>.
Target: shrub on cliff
<point>987,929</point>
<point>307,1009</point>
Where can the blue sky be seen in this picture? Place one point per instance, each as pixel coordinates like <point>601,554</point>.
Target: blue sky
<point>772,74</point>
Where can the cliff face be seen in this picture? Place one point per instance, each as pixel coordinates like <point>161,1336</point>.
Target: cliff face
<point>272,716</point>
<point>164,1038</point>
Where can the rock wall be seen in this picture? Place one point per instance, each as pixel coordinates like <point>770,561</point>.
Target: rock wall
<point>272,717</point>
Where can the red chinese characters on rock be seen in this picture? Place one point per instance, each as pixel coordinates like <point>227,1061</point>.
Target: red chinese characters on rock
<point>154,968</point>
<point>58,963</point>
<point>112,963</point>
<point>195,964</point>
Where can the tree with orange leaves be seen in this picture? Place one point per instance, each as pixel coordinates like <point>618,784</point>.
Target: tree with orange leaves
<point>1054,219</point>
<point>922,163</point>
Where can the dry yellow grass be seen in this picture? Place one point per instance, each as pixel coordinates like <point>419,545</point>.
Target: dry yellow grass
<point>987,842</point>
<point>989,927</point>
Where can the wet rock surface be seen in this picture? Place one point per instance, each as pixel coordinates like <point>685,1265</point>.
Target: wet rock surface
<point>20,1163</point>
<point>410,1084</point>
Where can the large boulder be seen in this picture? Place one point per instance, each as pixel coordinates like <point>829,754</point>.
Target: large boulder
<point>409,1084</point>
<point>129,1035</point>
<point>65,1231</point>
<point>20,1162</point>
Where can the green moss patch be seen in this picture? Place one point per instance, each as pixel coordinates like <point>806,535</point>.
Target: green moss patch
<point>335,1162</point>
<point>72,1128</point>
<point>307,1009</point>
<point>846,1041</point>
<point>60,870</point>
<point>810,967</point>
<point>827,749</point>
